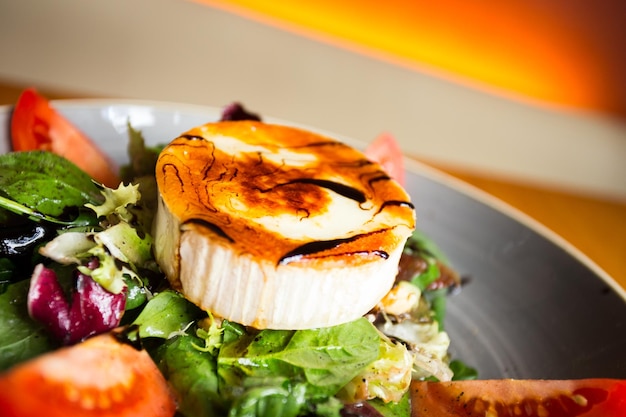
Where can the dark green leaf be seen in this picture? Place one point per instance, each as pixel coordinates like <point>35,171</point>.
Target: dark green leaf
<point>45,182</point>
<point>326,358</point>
<point>420,242</point>
<point>328,407</point>
<point>7,272</point>
<point>269,401</point>
<point>6,216</point>
<point>422,247</point>
<point>437,300</point>
<point>193,375</point>
<point>232,331</point>
<point>462,371</point>
<point>20,337</point>
<point>165,314</point>
<point>430,275</point>
<point>136,294</point>
<point>391,409</point>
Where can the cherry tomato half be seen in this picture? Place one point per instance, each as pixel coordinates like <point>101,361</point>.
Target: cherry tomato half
<point>385,150</point>
<point>100,377</point>
<point>36,125</point>
<point>524,398</point>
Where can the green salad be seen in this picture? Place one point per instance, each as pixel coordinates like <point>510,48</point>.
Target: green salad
<point>76,260</point>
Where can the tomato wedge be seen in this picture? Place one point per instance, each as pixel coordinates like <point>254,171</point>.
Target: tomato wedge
<point>523,398</point>
<point>385,150</point>
<point>100,377</point>
<point>36,125</point>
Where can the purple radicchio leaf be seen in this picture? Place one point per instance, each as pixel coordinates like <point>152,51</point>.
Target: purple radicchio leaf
<point>360,409</point>
<point>47,303</point>
<point>92,310</point>
<point>235,111</point>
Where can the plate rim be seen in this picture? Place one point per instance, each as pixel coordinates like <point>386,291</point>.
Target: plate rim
<point>412,165</point>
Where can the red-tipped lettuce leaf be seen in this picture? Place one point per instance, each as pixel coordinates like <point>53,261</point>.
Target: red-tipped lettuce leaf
<point>90,310</point>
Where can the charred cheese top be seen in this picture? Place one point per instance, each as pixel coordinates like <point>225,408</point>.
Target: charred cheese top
<point>283,195</point>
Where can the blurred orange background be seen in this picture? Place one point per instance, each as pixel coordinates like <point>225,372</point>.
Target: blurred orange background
<point>563,53</point>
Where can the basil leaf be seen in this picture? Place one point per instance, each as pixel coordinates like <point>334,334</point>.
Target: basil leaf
<point>45,182</point>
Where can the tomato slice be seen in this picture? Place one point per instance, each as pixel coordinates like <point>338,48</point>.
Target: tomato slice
<point>524,398</point>
<point>100,377</point>
<point>36,125</point>
<point>385,150</point>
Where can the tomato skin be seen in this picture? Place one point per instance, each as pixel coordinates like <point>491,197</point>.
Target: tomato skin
<point>36,125</point>
<point>385,150</point>
<point>527,398</point>
<point>100,377</point>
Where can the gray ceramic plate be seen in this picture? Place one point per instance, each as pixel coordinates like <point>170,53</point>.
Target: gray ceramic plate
<point>534,307</point>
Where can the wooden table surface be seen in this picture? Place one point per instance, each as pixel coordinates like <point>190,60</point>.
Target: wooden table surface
<point>596,226</point>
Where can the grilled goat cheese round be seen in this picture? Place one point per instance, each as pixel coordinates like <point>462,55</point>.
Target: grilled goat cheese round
<point>276,227</point>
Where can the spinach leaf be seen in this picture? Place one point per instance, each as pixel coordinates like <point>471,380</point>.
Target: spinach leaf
<point>273,373</point>
<point>193,375</point>
<point>21,338</point>
<point>7,271</point>
<point>45,182</point>
<point>166,314</point>
<point>325,358</point>
<point>462,371</point>
<point>400,409</point>
<point>421,246</point>
<point>421,243</point>
<point>6,216</point>
<point>136,294</point>
<point>270,401</point>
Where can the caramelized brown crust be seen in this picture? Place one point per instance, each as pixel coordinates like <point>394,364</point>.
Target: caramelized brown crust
<point>273,197</point>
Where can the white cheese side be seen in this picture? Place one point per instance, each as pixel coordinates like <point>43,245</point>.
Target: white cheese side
<point>274,227</point>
